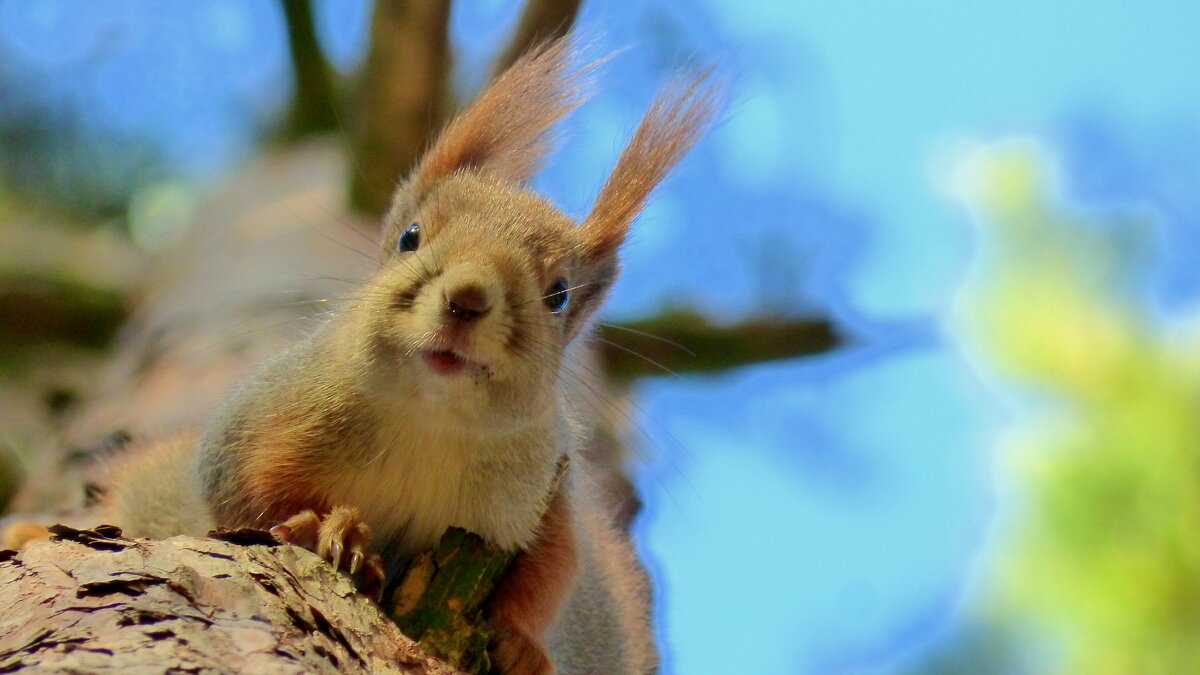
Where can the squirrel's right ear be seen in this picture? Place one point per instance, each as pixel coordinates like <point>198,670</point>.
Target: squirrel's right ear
<point>672,125</point>
<point>505,133</point>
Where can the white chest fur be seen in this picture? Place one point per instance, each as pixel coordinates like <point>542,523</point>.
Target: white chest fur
<point>427,476</point>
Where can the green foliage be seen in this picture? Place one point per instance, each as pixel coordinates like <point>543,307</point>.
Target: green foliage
<point>1103,554</point>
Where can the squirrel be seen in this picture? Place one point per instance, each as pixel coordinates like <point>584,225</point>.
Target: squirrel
<point>437,396</point>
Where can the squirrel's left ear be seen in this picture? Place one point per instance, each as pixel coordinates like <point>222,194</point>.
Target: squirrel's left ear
<point>672,125</point>
<point>506,131</point>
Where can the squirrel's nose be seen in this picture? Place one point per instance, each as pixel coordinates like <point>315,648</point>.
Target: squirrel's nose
<point>466,303</point>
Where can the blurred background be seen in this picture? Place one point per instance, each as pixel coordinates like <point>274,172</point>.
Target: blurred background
<point>937,267</point>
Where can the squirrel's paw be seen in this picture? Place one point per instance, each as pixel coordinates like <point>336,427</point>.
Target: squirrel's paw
<point>342,539</point>
<point>514,652</point>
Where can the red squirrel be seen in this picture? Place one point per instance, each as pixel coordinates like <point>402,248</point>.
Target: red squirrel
<point>437,396</point>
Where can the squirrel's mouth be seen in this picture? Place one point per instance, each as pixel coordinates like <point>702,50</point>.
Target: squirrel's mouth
<point>445,362</point>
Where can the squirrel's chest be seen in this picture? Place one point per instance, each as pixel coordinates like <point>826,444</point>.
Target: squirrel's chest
<point>413,487</point>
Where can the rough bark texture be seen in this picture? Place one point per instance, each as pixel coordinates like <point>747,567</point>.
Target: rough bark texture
<point>439,598</point>
<point>95,602</point>
<point>92,600</point>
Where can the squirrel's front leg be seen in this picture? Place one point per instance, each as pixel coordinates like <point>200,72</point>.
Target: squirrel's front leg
<point>529,598</point>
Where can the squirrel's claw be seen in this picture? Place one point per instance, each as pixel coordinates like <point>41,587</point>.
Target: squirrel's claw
<point>301,530</point>
<point>334,555</point>
<point>282,533</point>
<point>333,536</point>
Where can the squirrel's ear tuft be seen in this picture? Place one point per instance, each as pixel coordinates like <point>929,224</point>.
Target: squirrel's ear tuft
<point>672,125</point>
<point>506,132</point>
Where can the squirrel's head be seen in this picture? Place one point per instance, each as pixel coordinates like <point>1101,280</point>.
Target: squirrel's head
<point>486,282</point>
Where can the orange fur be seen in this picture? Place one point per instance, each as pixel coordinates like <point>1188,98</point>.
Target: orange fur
<point>528,600</point>
<point>23,534</point>
<point>506,131</point>
<point>279,477</point>
<point>672,125</point>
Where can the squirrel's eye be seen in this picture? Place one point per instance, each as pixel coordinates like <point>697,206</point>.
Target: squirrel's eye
<point>410,240</point>
<point>556,298</point>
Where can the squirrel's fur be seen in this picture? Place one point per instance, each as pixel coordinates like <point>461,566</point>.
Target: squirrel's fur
<point>435,396</point>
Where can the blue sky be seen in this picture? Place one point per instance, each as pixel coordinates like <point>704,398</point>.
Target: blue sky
<point>868,471</point>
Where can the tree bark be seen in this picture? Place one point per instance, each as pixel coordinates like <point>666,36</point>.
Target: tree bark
<point>94,601</point>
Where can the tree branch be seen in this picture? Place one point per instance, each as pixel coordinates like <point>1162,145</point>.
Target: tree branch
<point>404,98</point>
<point>35,308</point>
<point>312,109</point>
<point>94,601</point>
<point>687,342</point>
<point>542,20</point>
